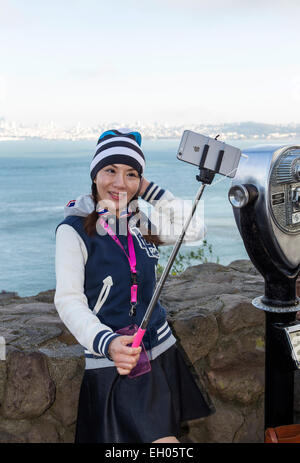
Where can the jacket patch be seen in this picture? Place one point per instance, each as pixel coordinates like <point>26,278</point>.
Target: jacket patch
<point>150,248</point>
<point>71,203</point>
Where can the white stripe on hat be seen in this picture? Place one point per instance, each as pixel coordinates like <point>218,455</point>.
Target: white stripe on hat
<point>115,151</point>
<point>116,138</point>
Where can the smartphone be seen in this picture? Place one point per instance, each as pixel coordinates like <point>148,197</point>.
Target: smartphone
<point>208,153</point>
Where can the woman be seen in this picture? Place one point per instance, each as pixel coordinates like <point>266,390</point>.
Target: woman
<point>106,258</point>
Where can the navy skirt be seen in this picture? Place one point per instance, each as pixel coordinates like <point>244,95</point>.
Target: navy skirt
<point>116,409</point>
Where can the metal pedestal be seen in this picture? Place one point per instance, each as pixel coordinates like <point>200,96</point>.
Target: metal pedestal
<point>279,374</point>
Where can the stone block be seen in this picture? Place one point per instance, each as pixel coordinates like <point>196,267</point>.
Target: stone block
<point>244,385</point>
<point>198,335</point>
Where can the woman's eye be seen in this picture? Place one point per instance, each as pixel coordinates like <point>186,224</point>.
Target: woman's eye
<point>109,170</point>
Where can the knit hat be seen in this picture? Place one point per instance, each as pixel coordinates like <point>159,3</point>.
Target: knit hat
<point>120,146</point>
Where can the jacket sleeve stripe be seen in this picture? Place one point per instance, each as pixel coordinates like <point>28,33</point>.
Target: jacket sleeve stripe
<point>153,192</point>
<point>102,341</point>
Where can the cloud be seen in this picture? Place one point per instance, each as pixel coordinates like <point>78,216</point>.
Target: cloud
<point>225,4</point>
<point>106,70</point>
<point>234,7</point>
<point>9,15</point>
<point>295,89</point>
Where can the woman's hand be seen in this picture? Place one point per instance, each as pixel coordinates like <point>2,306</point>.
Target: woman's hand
<point>125,358</point>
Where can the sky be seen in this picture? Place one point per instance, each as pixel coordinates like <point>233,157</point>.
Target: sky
<point>165,61</point>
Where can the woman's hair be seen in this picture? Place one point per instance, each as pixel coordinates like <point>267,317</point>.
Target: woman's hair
<point>91,220</point>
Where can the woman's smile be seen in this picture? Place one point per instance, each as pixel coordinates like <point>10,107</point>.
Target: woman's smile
<point>115,195</point>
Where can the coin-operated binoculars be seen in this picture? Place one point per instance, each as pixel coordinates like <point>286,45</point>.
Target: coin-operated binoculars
<point>265,195</point>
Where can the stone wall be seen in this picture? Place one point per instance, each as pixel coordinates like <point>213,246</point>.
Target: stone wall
<point>209,308</point>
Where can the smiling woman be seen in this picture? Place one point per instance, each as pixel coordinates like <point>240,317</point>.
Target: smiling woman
<point>116,185</point>
<point>106,274</point>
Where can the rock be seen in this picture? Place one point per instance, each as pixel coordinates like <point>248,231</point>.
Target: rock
<point>195,431</point>
<point>209,268</point>
<point>252,429</point>
<point>28,325</point>
<point>210,311</point>
<point>29,389</point>
<point>28,308</point>
<point>244,347</point>
<point>220,427</point>
<point>198,334</point>
<point>45,296</point>
<point>43,431</point>
<point>8,438</point>
<point>189,291</point>
<point>7,297</point>
<point>243,384</point>
<point>29,431</point>
<point>2,379</point>
<point>244,266</point>
<point>13,431</point>
<point>29,337</point>
<point>68,377</point>
<point>238,313</point>
<point>67,435</point>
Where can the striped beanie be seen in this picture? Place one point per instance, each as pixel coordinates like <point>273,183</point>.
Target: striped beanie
<point>120,146</point>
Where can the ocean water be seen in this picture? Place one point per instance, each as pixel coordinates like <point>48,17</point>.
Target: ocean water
<point>37,178</point>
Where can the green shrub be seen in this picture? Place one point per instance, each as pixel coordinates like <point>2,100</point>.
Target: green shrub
<point>201,255</point>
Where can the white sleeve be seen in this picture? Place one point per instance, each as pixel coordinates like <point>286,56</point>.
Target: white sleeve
<point>169,215</point>
<point>70,300</point>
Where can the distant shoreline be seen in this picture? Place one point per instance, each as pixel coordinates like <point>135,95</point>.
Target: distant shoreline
<point>267,138</point>
<point>249,130</point>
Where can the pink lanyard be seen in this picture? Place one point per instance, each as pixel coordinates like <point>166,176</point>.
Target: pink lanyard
<point>131,259</point>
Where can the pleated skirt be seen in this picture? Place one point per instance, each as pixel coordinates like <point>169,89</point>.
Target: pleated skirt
<point>116,409</point>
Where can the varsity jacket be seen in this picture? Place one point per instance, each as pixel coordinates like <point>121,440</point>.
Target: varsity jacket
<point>93,276</point>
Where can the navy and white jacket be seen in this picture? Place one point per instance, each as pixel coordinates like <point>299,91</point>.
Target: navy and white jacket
<point>93,275</point>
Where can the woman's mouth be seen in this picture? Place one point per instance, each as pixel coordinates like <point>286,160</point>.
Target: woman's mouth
<point>117,196</point>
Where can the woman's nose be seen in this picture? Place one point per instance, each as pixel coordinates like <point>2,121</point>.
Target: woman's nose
<point>119,181</point>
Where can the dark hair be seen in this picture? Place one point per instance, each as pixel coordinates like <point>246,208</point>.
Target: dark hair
<point>91,220</point>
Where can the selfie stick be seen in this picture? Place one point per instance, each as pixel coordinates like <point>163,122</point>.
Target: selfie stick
<point>206,177</point>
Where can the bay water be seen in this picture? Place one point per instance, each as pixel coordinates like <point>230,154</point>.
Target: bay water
<point>39,177</point>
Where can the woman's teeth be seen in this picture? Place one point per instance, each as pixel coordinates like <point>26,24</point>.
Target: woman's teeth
<point>116,195</point>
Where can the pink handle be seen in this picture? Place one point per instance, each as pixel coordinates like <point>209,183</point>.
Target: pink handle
<point>138,337</point>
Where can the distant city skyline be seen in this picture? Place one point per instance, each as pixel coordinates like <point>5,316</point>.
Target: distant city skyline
<point>11,130</point>
<point>175,62</point>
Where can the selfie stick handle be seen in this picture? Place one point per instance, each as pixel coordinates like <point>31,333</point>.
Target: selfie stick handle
<point>141,331</point>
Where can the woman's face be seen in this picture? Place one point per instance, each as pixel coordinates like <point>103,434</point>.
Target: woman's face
<point>116,186</point>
